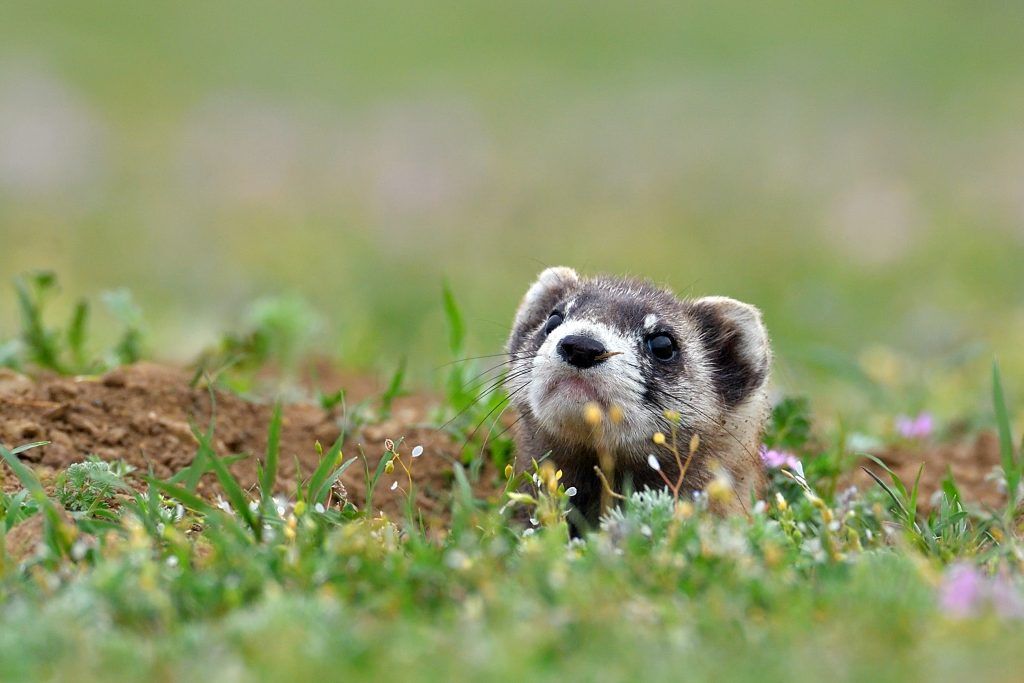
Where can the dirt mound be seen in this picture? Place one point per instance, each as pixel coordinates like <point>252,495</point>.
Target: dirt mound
<point>142,413</point>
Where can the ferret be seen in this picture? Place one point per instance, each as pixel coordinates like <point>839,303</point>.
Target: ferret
<point>598,366</point>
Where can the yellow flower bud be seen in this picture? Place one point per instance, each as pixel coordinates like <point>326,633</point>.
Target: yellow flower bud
<point>719,490</point>
<point>615,415</point>
<point>389,467</point>
<point>592,414</point>
<point>659,438</point>
<point>300,508</point>
<point>509,471</point>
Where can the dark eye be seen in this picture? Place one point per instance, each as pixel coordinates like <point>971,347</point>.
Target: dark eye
<point>554,321</point>
<point>662,347</point>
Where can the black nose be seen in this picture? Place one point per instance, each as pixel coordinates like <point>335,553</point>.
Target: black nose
<point>580,351</point>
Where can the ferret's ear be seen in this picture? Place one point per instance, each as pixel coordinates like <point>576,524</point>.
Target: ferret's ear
<point>736,344</point>
<point>551,285</point>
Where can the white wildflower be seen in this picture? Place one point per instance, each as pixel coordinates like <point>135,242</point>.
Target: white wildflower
<point>417,451</point>
<point>653,462</point>
<point>571,491</point>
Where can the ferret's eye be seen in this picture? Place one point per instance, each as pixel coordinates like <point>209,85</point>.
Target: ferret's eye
<point>554,321</point>
<point>662,347</point>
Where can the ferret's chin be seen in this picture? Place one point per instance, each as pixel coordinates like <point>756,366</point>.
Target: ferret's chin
<point>560,406</point>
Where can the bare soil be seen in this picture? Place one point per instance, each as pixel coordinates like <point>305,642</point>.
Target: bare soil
<point>142,414</point>
<point>972,460</point>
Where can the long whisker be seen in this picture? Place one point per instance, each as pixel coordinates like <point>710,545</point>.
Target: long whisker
<point>501,405</point>
<point>710,418</point>
<point>506,363</point>
<point>495,386</point>
<point>469,358</point>
<point>490,431</point>
<point>506,430</point>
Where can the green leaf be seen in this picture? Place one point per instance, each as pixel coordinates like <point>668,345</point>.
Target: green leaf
<point>790,424</point>
<point>40,342</point>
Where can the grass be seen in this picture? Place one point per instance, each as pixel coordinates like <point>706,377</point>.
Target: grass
<point>156,581</point>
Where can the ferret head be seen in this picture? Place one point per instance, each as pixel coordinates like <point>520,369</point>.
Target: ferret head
<point>627,345</point>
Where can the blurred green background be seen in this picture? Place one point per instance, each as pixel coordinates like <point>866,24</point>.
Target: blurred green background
<point>855,169</point>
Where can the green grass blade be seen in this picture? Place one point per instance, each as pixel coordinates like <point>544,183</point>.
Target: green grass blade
<point>236,495</point>
<point>29,446</point>
<point>268,475</point>
<point>22,472</point>
<point>196,503</point>
<point>320,494</point>
<point>181,494</point>
<point>393,391</point>
<point>372,484</point>
<point>58,542</point>
<point>1011,468</point>
<point>897,498</point>
<point>76,334</point>
<point>328,463</point>
<point>456,325</point>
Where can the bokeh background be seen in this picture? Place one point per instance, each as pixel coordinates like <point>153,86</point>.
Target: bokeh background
<point>855,169</point>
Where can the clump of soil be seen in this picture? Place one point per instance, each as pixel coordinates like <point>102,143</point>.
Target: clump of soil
<point>141,414</point>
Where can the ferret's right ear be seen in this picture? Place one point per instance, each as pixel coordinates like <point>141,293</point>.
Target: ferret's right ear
<point>551,285</point>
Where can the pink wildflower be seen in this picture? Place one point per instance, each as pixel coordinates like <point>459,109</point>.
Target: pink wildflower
<point>966,592</point>
<point>961,591</point>
<point>920,427</point>
<point>774,459</point>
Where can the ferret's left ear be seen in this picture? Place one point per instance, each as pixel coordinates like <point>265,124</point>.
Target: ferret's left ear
<point>550,286</point>
<point>737,345</point>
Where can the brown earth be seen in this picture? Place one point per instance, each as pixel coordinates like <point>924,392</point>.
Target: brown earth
<point>141,414</point>
<point>971,460</point>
